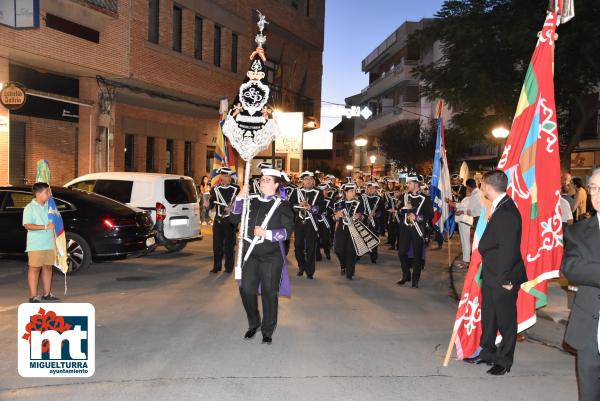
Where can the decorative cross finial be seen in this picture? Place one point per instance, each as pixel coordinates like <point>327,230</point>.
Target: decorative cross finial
<point>260,39</point>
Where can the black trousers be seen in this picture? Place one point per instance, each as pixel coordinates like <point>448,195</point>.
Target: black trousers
<point>406,237</point>
<point>393,228</point>
<point>305,244</point>
<point>498,313</point>
<point>344,250</point>
<point>588,371</point>
<point>266,271</point>
<point>376,230</point>
<point>223,244</point>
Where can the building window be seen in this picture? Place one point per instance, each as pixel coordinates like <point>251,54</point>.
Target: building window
<point>150,155</point>
<point>153,15</point>
<point>198,38</point>
<point>339,153</point>
<point>129,153</point>
<point>217,46</point>
<point>177,29</point>
<point>234,52</point>
<point>339,138</point>
<point>187,159</point>
<point>170,149</point>
<point>210,157</point>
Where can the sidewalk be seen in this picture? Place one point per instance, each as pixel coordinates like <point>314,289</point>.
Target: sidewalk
<point>552,318</point>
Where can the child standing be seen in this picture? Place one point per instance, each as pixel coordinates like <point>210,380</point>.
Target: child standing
<point>40,244</point>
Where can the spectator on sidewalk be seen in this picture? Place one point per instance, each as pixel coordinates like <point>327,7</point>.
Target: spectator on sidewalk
<point>566,193</point>
<point>40,243</point>
<point>581,265</point>
<point>467,215</point>
<point>565,207</point>
<point>580,206</point>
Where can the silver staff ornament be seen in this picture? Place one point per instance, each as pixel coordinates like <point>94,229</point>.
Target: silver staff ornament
<point>249,124</point>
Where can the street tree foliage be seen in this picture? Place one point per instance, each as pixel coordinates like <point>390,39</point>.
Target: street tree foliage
<point>487,46</point>
<point>409,145</point>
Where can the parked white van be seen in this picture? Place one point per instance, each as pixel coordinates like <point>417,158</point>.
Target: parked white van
<point>171,200</point>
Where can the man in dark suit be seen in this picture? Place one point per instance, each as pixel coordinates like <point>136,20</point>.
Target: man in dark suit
<point>502,274</point>
<point>581,265</point>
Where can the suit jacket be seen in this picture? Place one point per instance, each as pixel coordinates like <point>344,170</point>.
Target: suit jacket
<point>500,247</point>
<point>581,265</point>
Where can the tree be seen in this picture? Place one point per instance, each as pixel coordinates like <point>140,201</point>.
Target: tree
<point>487,46</point>
<point>409,145</point>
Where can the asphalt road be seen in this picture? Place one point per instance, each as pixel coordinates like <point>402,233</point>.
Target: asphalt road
<point>167,329</point>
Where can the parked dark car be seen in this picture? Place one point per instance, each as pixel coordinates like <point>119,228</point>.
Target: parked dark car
<point>96,227</point>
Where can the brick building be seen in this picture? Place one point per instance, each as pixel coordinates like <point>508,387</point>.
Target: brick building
<point>134,85</point>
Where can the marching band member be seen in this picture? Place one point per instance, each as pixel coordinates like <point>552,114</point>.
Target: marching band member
<point>324,220</point>
<point>373,209</point>
<point>346,209</point>
<point>308,203</point>
<point>393,207</point>
<point>416,211</point>
<point>222,197</point>
<point>270,222</point>
<point>255,190</point>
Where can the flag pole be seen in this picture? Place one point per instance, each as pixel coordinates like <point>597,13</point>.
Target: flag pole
<point>450,347</point>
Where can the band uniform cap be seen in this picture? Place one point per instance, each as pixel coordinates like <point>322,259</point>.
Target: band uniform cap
<point>412,177</point>
<point>225,170</point>
<point>348,186</point>
<point>271,172</point>
<point>263,165</point>
<point>306,174</point>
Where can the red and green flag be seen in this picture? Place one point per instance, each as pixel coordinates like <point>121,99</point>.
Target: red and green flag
<point>531,161</point>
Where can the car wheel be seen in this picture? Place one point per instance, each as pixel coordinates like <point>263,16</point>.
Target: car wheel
<point>79,253</point>
<point>176,247</point>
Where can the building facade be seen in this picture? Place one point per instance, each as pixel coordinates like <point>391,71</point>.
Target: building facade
<point>393,94</point>
<point>135,85</point>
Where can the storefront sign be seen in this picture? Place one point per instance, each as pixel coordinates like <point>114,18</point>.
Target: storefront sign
<point>13,96</point>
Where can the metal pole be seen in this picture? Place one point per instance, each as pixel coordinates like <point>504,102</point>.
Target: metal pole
<point>107,149</point>
<point>273,153</point>
<point>361,158</point>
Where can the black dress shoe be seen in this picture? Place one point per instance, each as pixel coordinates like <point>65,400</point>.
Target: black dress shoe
<point>374,261</point>
<point>415,285</point>
<point>215,270</point>
<point>250,333</point>
<point>498,370</point>
<point>349,277</point>
<point>403,281</point>
<point>310,277</point>
<point>300,273</point>
<point>328,255</point>
<point>342,272</point>
<point>477,360</point>
<point>228,271</point>
<point>267,340</point>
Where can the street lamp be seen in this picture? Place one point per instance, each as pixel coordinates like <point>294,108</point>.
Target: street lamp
<point>361,142</point>
<point>501,134</point>
<point>372,158</point>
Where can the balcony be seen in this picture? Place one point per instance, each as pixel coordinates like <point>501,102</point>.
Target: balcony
<point>292,101</point>
<point>376,124</point>
<point>93,14</point>
<point>398,74</point>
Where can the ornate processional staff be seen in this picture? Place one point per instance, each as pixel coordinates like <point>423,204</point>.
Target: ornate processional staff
<point>249,125</point>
